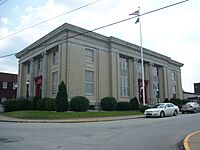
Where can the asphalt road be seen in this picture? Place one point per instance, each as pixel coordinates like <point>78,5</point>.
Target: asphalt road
<point>134,134</point>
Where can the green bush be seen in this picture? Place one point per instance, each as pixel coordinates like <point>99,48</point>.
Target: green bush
<point>144,107</point>
<point>79,103</point>
<point>134,104</point>
<point>108,103</point>
<point>35,101</point>
<point>41,104</point>
<point>123,106</point>
<point>62,98</point>
<point>18,104</point>
<point>50,104</point>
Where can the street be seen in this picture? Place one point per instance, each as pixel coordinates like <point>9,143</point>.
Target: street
<point>134,134</point>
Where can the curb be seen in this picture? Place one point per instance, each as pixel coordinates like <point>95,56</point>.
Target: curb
<point>71,120</point>
<point>186,140</point>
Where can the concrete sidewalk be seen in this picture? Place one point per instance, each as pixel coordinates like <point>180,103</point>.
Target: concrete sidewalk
<point>99,119</point>
<point>192,141</point>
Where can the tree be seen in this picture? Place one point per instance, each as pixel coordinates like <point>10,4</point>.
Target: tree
<point>62,98</point>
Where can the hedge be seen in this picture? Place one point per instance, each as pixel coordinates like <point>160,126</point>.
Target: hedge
<point>50,104</point>
<point>18,104</point>
<point>123,106</point>
<point>108,103</point>
<point>134,104</point>
<point>79,103</point>
<point>41,104</point>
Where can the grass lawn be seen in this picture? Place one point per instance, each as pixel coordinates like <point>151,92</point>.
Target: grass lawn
<point>35,114</point>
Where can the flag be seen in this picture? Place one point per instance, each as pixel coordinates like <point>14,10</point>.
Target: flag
<point>135,13</point>
<point>138,20</point>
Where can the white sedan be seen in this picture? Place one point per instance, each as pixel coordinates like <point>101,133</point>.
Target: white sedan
<point>162,110</point>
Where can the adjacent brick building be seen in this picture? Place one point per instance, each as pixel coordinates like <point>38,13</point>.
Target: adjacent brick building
<point>197,88</point>
<point>8,86</point>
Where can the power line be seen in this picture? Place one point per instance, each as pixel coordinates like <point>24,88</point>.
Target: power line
<point>50,19</point>
<point>2,2</point>
<point>155,10</point>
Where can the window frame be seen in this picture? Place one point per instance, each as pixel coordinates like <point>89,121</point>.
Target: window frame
<point>90,83</point>
<point>124,77</point>
<point>89,55</point>
<point>54,82</point>
<point>5,85</point>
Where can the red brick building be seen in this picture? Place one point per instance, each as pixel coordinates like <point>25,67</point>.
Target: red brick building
<point>197,88</point>
<point>8,86</point>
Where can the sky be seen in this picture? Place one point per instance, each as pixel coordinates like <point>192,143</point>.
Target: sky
<point>174,31</point>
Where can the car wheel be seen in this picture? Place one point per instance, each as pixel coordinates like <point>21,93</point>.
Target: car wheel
<point>162,114</point>
<point>194,111</point>
<point>183,112</point>
<point>175,113</point>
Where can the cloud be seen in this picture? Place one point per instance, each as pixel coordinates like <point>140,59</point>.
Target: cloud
<point>4,20</point>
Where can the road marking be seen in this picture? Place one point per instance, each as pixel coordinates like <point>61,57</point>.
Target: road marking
<point>185,142</point>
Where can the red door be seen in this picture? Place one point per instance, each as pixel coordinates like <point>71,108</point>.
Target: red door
<point>38,86</point>
<point>140,90</point>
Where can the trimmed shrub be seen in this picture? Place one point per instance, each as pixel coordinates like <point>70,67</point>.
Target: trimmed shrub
<point>25,104</point>
<point>144,107</point>
<point>79,103</point>
<point>18,104</point>
<point>50,104</point>
<point>134,103</point>
<point>35,101</point>
<point>166,100</point>
<point>108,103</point>
<point>123,106</point>
<point>41,104</point>
<point>62,98</point>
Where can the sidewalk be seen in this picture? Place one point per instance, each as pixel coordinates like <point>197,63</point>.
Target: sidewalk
<point>192,141</point>
<point>99,119</point>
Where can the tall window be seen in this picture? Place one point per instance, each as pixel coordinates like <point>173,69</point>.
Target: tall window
<point>5,85</point>
<point>155,82</point>
<point>174,91</point>
<point>124,84</point>
<point>89,55</point>
<point>89,82</point>
<point>28,67</point>
<point>54,82</point>
<point>173,75</point>
<point>55,57</point>
<point>39,64</point>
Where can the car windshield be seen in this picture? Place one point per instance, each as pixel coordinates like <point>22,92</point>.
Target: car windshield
<point>159,106</point>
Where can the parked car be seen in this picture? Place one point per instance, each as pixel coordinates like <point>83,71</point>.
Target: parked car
<point>190,107</point>
<point>162,110</point>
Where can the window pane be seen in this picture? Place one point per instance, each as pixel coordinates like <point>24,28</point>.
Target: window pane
<point>5,85</point>
<point>89,82</point>
<point>54,82</point>
<point>89,56</point>
<point>124,85</point>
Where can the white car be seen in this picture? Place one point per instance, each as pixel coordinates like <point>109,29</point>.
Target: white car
<point>162,110</point>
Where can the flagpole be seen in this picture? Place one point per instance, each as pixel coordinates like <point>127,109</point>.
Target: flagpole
<point>142,62</point>
<point>141,50</point>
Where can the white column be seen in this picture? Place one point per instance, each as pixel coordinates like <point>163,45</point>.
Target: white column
<point>135,78</point>
<point>151,82</point>
<point>44,75</point>
<point>165,82</point>
<point>31,80</point>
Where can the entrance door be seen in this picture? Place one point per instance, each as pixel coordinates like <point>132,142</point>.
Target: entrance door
<point>38,86</point>
<point>140,90</point>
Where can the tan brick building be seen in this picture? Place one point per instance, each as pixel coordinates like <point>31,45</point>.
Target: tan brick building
<point>95,66</point>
